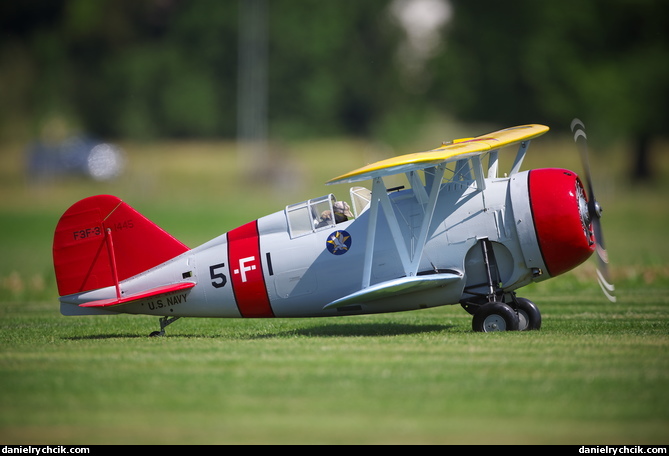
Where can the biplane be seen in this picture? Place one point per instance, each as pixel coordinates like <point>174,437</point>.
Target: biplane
<point>458,232</point>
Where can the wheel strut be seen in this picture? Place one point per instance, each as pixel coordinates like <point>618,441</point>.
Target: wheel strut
<point>493,281</point>
<point>498,309</point>
<point>164,322</point>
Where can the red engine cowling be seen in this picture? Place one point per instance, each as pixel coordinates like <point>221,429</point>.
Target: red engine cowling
<point>561,220</point>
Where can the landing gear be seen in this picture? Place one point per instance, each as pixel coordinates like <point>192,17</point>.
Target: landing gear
<point>528,314</point>
<point>519,314</point>
<point>498,310</point>
<point>164,322</point>
<point>495,316</point>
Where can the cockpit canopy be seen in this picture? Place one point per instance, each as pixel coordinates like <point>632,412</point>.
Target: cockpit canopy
<point>319,213</point>
<point>311,215</point>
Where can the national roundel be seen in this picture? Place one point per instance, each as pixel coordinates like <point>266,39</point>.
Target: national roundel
<point>338,243</point>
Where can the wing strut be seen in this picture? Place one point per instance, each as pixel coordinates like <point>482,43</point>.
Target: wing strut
<point>112,261</point>
<point>380,200</point>
<point>520,156</point>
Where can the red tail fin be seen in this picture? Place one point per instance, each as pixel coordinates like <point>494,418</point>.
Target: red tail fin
<point>100,241</point>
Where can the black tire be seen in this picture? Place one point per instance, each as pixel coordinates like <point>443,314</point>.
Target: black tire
<point>528,314</point>
<point>495,316</point>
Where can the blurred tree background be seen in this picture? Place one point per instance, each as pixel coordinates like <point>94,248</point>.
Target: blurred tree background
<point>146,69</point>
<point>605,61</point>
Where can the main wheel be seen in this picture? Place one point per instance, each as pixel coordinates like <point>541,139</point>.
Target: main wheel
<point>528,314</point>
<point>495,316</point>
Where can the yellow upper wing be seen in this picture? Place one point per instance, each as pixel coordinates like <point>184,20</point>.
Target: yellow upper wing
<point>456,150</point>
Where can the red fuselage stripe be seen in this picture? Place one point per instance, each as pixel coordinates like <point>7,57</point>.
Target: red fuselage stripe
<point>248,281</point>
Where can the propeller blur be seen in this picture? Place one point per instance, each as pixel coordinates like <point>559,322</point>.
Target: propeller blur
<point>594,213</point>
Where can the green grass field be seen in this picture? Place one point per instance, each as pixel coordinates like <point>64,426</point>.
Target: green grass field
<point>596,373</point>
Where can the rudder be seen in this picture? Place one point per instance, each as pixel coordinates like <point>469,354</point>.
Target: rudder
<point>100,241</point>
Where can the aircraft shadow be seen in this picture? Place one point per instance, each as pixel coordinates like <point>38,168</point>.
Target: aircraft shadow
<point>359,330</point>
<point>328,330</point>
<point>107,336</point>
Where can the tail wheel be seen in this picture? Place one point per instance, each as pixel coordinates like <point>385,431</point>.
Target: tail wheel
<point>528,314</point>
<point>495,316</point>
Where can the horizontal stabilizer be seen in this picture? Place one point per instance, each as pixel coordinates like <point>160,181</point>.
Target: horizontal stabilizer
<point>153,292</point>
<point>395,287</point>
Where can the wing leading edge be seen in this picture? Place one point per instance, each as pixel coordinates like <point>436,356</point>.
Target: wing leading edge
<point>395,287</point>
<point>452,151</point>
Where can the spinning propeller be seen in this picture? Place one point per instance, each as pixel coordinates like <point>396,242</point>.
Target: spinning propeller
<point>594,211</point>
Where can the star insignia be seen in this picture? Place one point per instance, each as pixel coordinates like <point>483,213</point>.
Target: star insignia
<point>339,242</point>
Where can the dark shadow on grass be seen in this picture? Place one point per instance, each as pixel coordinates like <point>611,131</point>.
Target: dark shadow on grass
<point>361,330</point>
<point>325,330</point>
<point>106,336</point>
